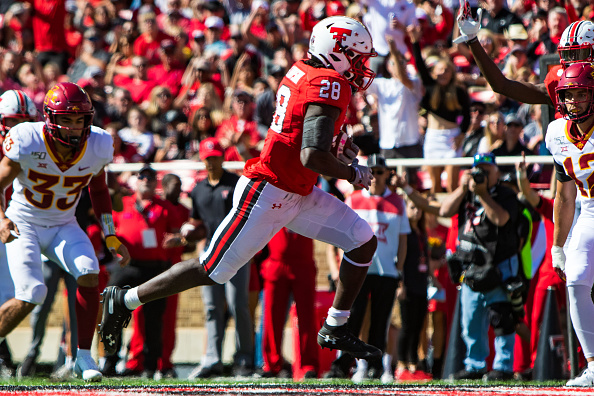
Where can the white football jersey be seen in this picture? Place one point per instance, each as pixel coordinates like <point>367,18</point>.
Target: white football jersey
<point>47,190</point>
<point>577,158</point>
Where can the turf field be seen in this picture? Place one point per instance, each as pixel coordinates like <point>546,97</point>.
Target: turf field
<point>113,387</point>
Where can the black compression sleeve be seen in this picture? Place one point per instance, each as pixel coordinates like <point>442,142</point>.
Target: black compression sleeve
<point>318,132</point>
<point>562,176</point>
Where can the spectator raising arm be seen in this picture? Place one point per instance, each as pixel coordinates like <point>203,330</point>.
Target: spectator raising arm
<point>400,69</point>
<point>520,91</point>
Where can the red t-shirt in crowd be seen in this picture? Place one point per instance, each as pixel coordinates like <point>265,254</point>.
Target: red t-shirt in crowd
<point>170,79</point>
<point>239,126</point>
<point>136,230</point>
<point>140,90</point>
<point>143,46</point>
<point>280,162</point>
<point>73,40</point>
<point>48,25</point>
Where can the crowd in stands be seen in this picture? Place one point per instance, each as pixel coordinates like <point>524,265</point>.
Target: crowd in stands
<point>165,75</point>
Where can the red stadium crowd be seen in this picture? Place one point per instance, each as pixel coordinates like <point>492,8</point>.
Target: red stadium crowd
<point>168,76</point>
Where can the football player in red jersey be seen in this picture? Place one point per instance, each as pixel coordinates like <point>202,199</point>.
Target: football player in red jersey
<point>576,45</point>
<point>278,189</point>
<point>49,163</point>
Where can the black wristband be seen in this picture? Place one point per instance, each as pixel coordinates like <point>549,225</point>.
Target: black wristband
<point>472,40</point>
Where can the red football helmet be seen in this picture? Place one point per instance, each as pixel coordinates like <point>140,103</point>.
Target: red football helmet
<point>17,107</point>
<point>577,75</point>
<point>67,98</point>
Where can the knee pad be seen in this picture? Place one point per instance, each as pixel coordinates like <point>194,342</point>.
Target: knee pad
<point>34,294</point>
<point>501,318</point>
<point>361,232</point>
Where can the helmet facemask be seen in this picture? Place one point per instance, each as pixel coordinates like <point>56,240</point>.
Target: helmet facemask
<point>358,75</point>
<point>55,129</point>
<point>575,53</point>
<point>575,117</point>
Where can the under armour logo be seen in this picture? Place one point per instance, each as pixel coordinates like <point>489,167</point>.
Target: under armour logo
<point>110,339</point>
<point>340,34</point>
<point>330,339</point>
<point>277,206</point>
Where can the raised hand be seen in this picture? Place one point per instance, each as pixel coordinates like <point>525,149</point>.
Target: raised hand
<point>468,26</point>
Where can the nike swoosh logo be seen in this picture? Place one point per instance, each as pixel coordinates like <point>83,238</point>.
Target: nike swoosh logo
<point>81,169</point>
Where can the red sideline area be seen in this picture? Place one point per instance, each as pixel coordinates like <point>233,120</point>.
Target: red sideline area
<point>274,389</point>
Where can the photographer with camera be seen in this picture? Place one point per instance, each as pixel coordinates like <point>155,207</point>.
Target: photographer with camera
<point>486,262</point>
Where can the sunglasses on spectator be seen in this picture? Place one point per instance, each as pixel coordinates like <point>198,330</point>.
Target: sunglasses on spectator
<point>139,64</point>
<point>146,177</point>
<point>164,95</point>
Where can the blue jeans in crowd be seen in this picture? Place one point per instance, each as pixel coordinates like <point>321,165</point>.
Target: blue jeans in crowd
<point>475,324</point>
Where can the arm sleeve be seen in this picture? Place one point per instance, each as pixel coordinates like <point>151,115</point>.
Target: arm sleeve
<point>99,193</point>
<point>562,176</point>
<point>464,100</point>
<point>421,67</point>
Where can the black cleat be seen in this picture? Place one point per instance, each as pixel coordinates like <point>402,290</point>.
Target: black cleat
<point>340,337</point>
<point>115,317</point>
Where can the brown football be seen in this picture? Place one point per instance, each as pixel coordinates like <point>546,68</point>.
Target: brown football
<point>340,142</point>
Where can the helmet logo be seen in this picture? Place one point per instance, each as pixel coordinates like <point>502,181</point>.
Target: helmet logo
<point>51,95</point>
<point>340,35</point>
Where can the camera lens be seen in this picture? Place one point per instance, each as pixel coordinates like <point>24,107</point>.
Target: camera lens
<point>478,176</point>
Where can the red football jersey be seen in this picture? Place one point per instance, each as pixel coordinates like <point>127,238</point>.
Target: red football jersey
<point>551,81</point>
<point>279,161</point>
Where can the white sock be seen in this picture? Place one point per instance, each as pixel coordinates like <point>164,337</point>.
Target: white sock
<point>387,362</point>
<point>131,299</point>
<point>591,366</point>
<point>582,310</point>
<point>362,364</point>
<point>68,361</point>
<point>337,317</point>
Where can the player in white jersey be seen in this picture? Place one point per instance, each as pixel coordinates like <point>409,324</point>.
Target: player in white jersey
<point>15,107</point>
<point>50,163</point>
<point>570,142</point>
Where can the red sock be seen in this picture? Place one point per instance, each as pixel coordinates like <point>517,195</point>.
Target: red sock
<point>87,309</point>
